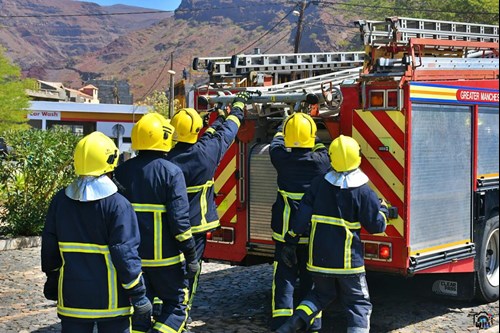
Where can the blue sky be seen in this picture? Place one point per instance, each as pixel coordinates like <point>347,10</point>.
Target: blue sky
<point>152,4</point>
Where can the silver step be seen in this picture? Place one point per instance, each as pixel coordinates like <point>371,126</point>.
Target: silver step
<point>401,29</point>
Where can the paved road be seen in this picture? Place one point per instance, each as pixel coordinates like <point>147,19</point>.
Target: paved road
<point>235,299</point>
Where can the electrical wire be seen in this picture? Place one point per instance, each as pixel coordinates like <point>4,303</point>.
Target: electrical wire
<point>279,40</point>
<point>156,80</point>
<point>268,31</point>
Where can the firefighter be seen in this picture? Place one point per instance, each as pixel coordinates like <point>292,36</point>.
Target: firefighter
<point>334,209</point>
<point>297,159</point>
<point>90,246</point>
<point>198,159</point>
<point>157,191</point>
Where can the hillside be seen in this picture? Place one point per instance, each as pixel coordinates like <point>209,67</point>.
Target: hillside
<point>72,41</point>
<point>43,36</point>
<point>214,28</point>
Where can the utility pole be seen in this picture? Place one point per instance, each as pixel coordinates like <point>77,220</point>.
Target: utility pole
<point>298,35</point>
<point>171,98</point>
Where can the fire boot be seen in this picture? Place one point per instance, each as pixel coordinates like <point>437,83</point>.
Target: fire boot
<point>293,324</point>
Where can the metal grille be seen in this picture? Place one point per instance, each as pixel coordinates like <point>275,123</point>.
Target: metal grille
<point>440,180</point>
<point>487,138</point>
<point>262,191</point>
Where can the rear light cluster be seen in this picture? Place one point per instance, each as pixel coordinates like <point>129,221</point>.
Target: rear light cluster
<point>222,235</point>
<point>377,251</point>
<point>383,99</point>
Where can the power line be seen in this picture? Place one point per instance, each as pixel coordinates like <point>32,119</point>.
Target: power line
<point>155,81</point>
<point>268,31</point>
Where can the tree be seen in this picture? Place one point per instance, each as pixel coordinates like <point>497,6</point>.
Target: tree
<point>470,11</point>
<point>14,102</point>
<point>157,102</point>
<point>39,164</point>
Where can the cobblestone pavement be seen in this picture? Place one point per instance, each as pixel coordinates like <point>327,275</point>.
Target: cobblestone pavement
<point>235,299</point>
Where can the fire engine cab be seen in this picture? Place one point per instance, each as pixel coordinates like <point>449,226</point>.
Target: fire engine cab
<point>423,102</point>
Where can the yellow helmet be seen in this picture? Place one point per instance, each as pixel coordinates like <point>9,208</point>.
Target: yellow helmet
<point>188,124</point>
<point>345,154</point>
<point>95,155</point>
<point>299,131</point>
<point>152,132</point>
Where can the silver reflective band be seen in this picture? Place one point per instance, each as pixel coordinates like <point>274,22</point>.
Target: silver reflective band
<point>351,179</point>
<point>89,188</point>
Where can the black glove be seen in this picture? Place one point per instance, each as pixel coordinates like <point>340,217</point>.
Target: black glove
<point>241,99</point>
<point>142,308</point>
<point>192,264</point>
<point>50,286</point>
<point>289,255</point>
<point>192,267</point>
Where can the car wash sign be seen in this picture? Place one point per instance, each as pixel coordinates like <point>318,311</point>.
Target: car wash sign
<point>45,115</point>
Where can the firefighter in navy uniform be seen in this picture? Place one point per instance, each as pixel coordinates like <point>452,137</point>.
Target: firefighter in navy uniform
<point>198,159</point>
<point>90,247</point>
<point>157,191</point>
<point>298,159</point>
<point>333,210</point>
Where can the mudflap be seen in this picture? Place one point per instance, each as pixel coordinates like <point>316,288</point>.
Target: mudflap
<point>459,286</point>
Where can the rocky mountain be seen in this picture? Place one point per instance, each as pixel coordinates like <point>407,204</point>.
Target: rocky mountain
<point>73,41</point>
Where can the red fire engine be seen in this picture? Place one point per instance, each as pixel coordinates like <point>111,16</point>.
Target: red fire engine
<point>424,106</point>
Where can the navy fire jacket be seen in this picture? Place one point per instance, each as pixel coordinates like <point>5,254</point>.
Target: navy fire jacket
<point>157,191</point>
<point>334,218</point>
<point>296,169</point>
<point>94,246</point>
<point>199,162</point>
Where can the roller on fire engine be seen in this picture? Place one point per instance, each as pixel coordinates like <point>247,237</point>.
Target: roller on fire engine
<point>298,101</point>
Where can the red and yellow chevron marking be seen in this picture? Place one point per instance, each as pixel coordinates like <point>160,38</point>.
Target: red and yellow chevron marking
<point>225,186</point>
<point>381,135</point>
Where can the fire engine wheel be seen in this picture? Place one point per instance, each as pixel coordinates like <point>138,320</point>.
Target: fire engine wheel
<point>487,262</point>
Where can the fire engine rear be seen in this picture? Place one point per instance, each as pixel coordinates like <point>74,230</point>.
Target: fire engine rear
<point>423,101</point>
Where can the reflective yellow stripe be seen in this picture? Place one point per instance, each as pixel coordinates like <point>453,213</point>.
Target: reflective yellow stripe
<point>286,216</point>
<point>161,327</point>
<point>185,235</point>
<point>133,283</point>
<point>112,281</point>
<point>86,313</point>
<point>234,119</point>
<point>210,130</point>
<point>157,210</point>
<point>305,308</point>
<point>145,208</point>
<point>163,262</point>
<point>348,226</point>
<point>335,221</point>
<point>325,270</point>
<point>278,134</point>
<point>282,313</point>
<point>205,227</point>
<point>318,146</point>
<point>203,198</point>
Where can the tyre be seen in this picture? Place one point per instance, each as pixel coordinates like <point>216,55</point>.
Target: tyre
<point>487,260</point>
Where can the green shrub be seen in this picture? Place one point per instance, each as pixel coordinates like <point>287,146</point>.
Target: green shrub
<point>39,164</point>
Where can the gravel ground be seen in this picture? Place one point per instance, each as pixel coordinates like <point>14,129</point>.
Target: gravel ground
<point>234,299</point>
